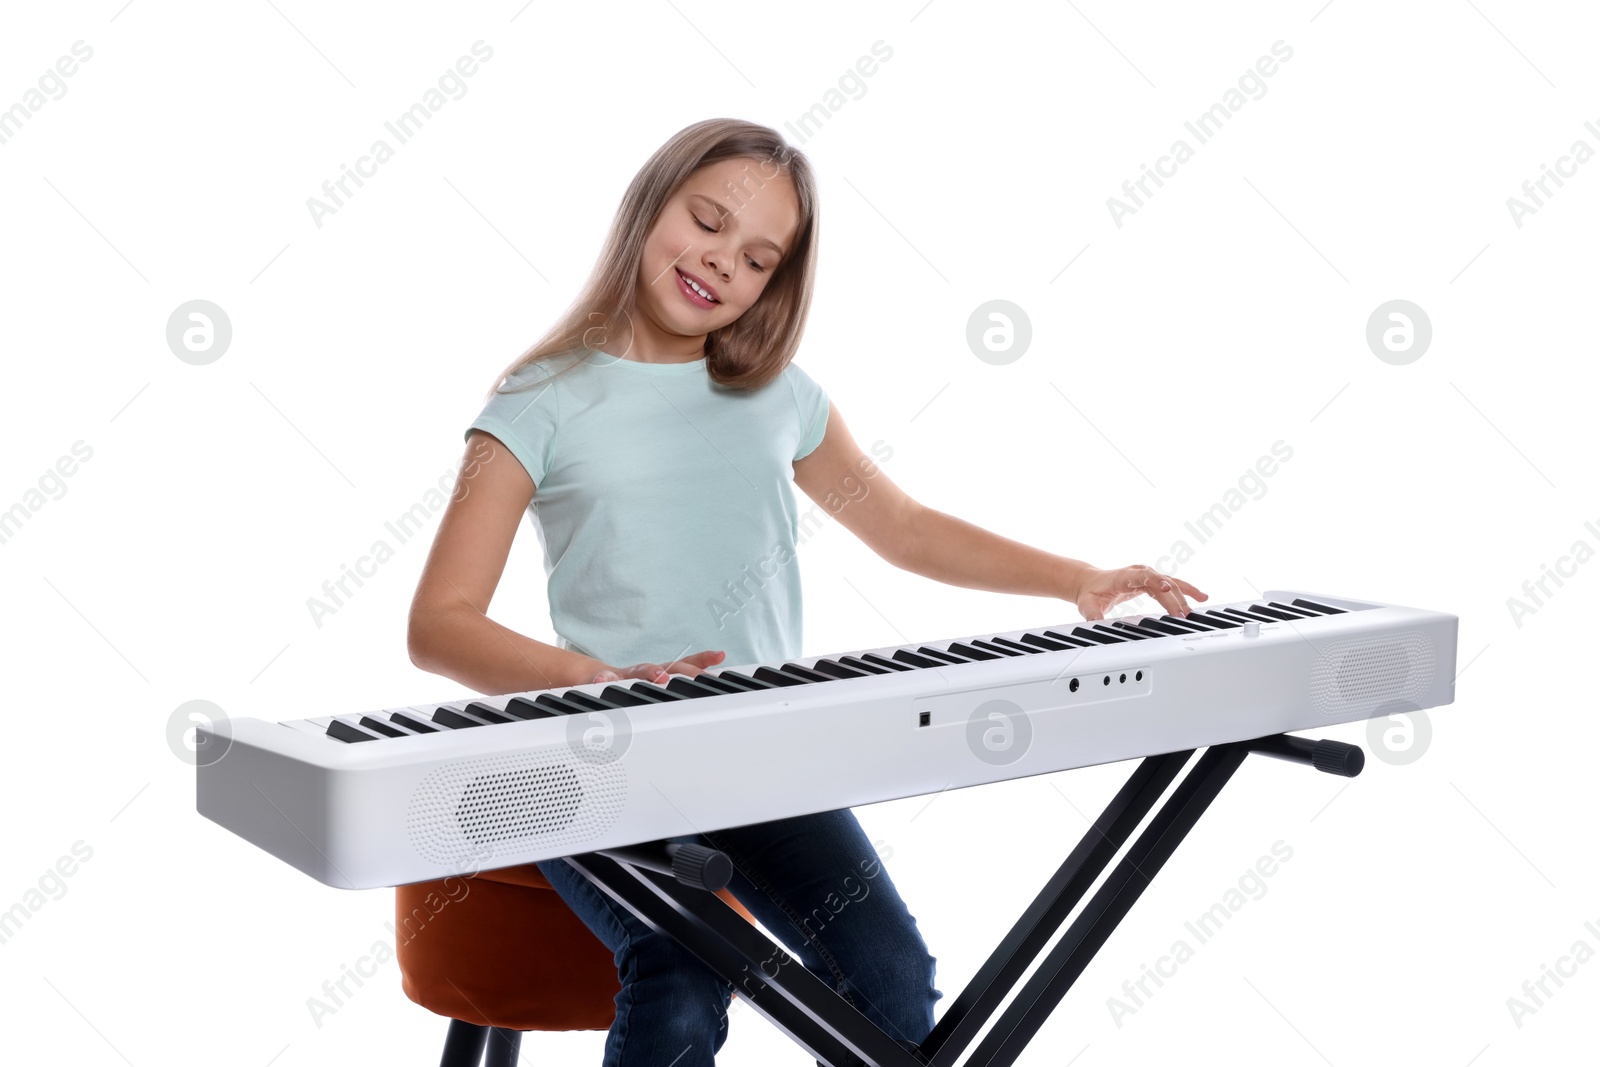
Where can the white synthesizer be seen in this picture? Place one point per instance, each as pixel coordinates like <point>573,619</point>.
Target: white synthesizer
<point>406,795</point>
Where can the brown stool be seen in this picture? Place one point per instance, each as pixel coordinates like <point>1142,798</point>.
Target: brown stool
<point>498,953</point>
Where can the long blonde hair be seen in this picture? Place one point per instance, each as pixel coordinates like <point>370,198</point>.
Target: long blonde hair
<point>753,349</point>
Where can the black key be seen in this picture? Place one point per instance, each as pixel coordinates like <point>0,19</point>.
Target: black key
<point>1163,628</point>
<point>561,706</point>
<point>1235,614</point>
<point>1075,642</point>
<point>378,726</point>
<point>1098,638</point>
<point>1260,609</point>
<point>1300,613</point>
<point>655,692</point>
<point>1194,624</point>
<point>999,650</point>
<point>1248,615</point>
<point>955,656</point>
<point>456,720</point>
<point>518,708</point>
<point>345,732</point>
<point>776,677</point>
<point>805,672</point>
<point>911,659</point>
<point>588,700</point>
<point>622,697</point>
<point>411,723</point>
<point>839,670</point>
<point>745,680</point>
<point>972,653</point>
<point>1124,629</point>
<point>1045,643</point>
<point>890,663</point>
<point>690,687</point>
<point>1006,642</point>
<point>647,693</point>
<point>1314,606</point>
<point>1221,622</point>
<point>862,664</point>
<point>711,681</point>
<point>484,711</point>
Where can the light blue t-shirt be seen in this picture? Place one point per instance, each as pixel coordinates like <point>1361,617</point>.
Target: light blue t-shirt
<point>662,501</point>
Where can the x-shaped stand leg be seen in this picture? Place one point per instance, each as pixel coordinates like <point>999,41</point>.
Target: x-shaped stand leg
<point>837,1033</point>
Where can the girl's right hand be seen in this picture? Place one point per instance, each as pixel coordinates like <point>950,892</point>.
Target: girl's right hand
<point>657,672</point>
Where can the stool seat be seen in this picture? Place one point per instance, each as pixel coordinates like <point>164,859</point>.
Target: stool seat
<point>502,949</point>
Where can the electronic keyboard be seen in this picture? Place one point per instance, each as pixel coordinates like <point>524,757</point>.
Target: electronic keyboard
<point>391,797</point>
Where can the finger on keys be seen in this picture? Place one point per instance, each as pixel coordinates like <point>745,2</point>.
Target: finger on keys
<point>1169,591</point>
<point>697,663</point>
<point>1170,600</point>
<point>649,672</point>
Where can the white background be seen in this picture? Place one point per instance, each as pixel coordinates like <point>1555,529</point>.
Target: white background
<point>1227,314</point>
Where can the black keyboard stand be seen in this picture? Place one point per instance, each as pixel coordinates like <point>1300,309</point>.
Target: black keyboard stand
<point>836,1033</point>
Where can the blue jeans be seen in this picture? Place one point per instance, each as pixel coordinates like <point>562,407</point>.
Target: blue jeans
<point>817,884</point>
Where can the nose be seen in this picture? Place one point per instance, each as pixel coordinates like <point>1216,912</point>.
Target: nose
<point>714,260</point>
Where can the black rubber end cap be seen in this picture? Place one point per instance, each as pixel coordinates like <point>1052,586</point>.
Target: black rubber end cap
<point>701,867</point>
<point>1336,757</point>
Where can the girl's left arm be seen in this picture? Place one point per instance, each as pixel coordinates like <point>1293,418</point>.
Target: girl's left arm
<point>852,488</point>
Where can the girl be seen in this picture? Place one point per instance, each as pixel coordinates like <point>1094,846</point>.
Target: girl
<point>650,436</point>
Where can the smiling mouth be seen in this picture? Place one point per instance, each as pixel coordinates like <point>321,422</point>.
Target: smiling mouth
<point>697,295</point>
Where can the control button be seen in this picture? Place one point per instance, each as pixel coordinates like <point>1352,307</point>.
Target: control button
<point>1252,629</point>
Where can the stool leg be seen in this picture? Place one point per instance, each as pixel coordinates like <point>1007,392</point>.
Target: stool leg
<point>504,1045</point>
<point>463,1046</point>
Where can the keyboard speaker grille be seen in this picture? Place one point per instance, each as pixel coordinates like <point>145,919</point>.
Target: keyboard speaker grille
<point>1364,674</point>
<point>468,814</point>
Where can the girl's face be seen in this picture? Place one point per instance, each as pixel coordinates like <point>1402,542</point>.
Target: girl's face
<point>725,231</point>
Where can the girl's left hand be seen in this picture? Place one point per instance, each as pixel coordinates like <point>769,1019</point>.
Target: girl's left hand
<point>1102,589</point>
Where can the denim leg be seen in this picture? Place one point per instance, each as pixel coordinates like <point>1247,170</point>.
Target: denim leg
<point>672,1009</point>
<point>817,884</point>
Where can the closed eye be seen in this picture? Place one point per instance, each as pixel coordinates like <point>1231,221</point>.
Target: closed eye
<point>758,268</point>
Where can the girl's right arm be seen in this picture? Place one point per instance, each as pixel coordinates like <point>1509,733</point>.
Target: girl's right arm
<point>449,632</point>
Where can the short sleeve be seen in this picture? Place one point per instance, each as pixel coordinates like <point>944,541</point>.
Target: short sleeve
<point>525,421</point>
<point>811,401</point>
